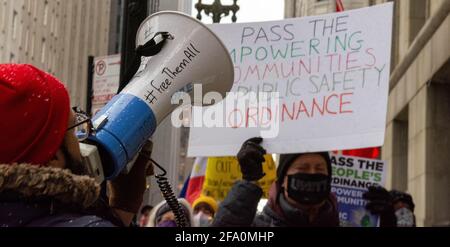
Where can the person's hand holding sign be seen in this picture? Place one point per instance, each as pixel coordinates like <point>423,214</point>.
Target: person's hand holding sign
<point>251,157</point>
<point>379,200</point>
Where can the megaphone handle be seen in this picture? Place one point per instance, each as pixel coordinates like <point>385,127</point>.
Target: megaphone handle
<point>150,48</point>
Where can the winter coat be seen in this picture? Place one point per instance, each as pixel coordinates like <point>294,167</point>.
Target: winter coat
<point>32,196</point>
<point>240,206</point>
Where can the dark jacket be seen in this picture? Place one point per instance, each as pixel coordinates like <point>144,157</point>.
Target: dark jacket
<point>240,206</point>
<point>40,196</point>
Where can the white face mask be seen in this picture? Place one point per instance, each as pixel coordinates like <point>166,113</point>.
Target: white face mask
<point>405,218</point>
<point>202,220</point>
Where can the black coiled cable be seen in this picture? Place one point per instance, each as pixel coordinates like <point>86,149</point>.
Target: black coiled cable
<point>169,196</point>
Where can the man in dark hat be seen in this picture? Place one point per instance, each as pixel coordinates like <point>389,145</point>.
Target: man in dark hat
<point>300,197</point>
<point>395,208</point>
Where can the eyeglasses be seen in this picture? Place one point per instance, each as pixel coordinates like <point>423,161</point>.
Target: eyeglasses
<point>83,125</point>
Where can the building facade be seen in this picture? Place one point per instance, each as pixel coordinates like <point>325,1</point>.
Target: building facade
<point>56,36</point>
<point>418,120</point>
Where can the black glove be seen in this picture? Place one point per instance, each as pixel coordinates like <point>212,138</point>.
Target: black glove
<point>379,200</point>
<point>251,157</point>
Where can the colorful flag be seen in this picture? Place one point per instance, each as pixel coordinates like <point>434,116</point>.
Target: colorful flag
<point>197,177</point>
<point>369,153</point>
<point>183,191</point>
<point>339,6</point>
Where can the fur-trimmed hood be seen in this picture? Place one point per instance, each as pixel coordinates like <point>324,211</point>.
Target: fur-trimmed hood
<point>31,181</point>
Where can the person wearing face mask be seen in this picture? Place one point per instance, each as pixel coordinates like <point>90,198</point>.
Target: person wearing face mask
<point>300,197</point>
<point>145,214</point>
<point>204,209</point>
<point>162,216</point>
<point>395,208</point>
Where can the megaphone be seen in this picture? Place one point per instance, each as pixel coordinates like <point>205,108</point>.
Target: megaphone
<point>191,54</point>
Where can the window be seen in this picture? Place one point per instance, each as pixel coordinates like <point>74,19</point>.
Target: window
<point>418,11</point>
<point>43,51</point>
<point>14,25</point>
<point>35,9</point>
<point>3,17</point>
<point>27,40</point>
<point>49,61</point>
<point>29,5</point>
<point>33,40</point>
<point>52,24</point>
<point>45,13</point>
<point>400,151</point>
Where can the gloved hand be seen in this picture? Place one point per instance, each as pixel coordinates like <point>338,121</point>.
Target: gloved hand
<point>379,200</point>
<point>127,190</point>
<point>251,157</point>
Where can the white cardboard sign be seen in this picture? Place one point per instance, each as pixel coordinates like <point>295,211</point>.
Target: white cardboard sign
<point>332,75</point>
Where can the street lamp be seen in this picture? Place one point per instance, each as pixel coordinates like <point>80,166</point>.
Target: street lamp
<point>217,10</point>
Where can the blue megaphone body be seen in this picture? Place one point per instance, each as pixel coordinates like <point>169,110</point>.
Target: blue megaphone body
<point>194,54</point>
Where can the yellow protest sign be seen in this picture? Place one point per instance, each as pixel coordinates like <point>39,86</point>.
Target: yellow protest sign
<point>223,172</point>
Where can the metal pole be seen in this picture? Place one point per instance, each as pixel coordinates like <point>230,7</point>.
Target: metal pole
<point>90,79</point>
<point>123,49</point>
<point>134,13</point>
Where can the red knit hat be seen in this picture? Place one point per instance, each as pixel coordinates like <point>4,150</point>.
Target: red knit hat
<point>34,113</point>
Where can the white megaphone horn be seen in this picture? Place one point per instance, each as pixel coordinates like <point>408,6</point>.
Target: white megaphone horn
<point>191,54</point>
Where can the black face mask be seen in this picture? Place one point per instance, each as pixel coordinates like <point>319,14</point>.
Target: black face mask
<point>308,189</point>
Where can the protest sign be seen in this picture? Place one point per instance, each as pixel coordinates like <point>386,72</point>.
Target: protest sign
<point>351,177</point>
<point>223,172</point>
<point>330,73</point>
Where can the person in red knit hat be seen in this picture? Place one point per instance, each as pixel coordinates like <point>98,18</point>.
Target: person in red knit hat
<point>42,178</point>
